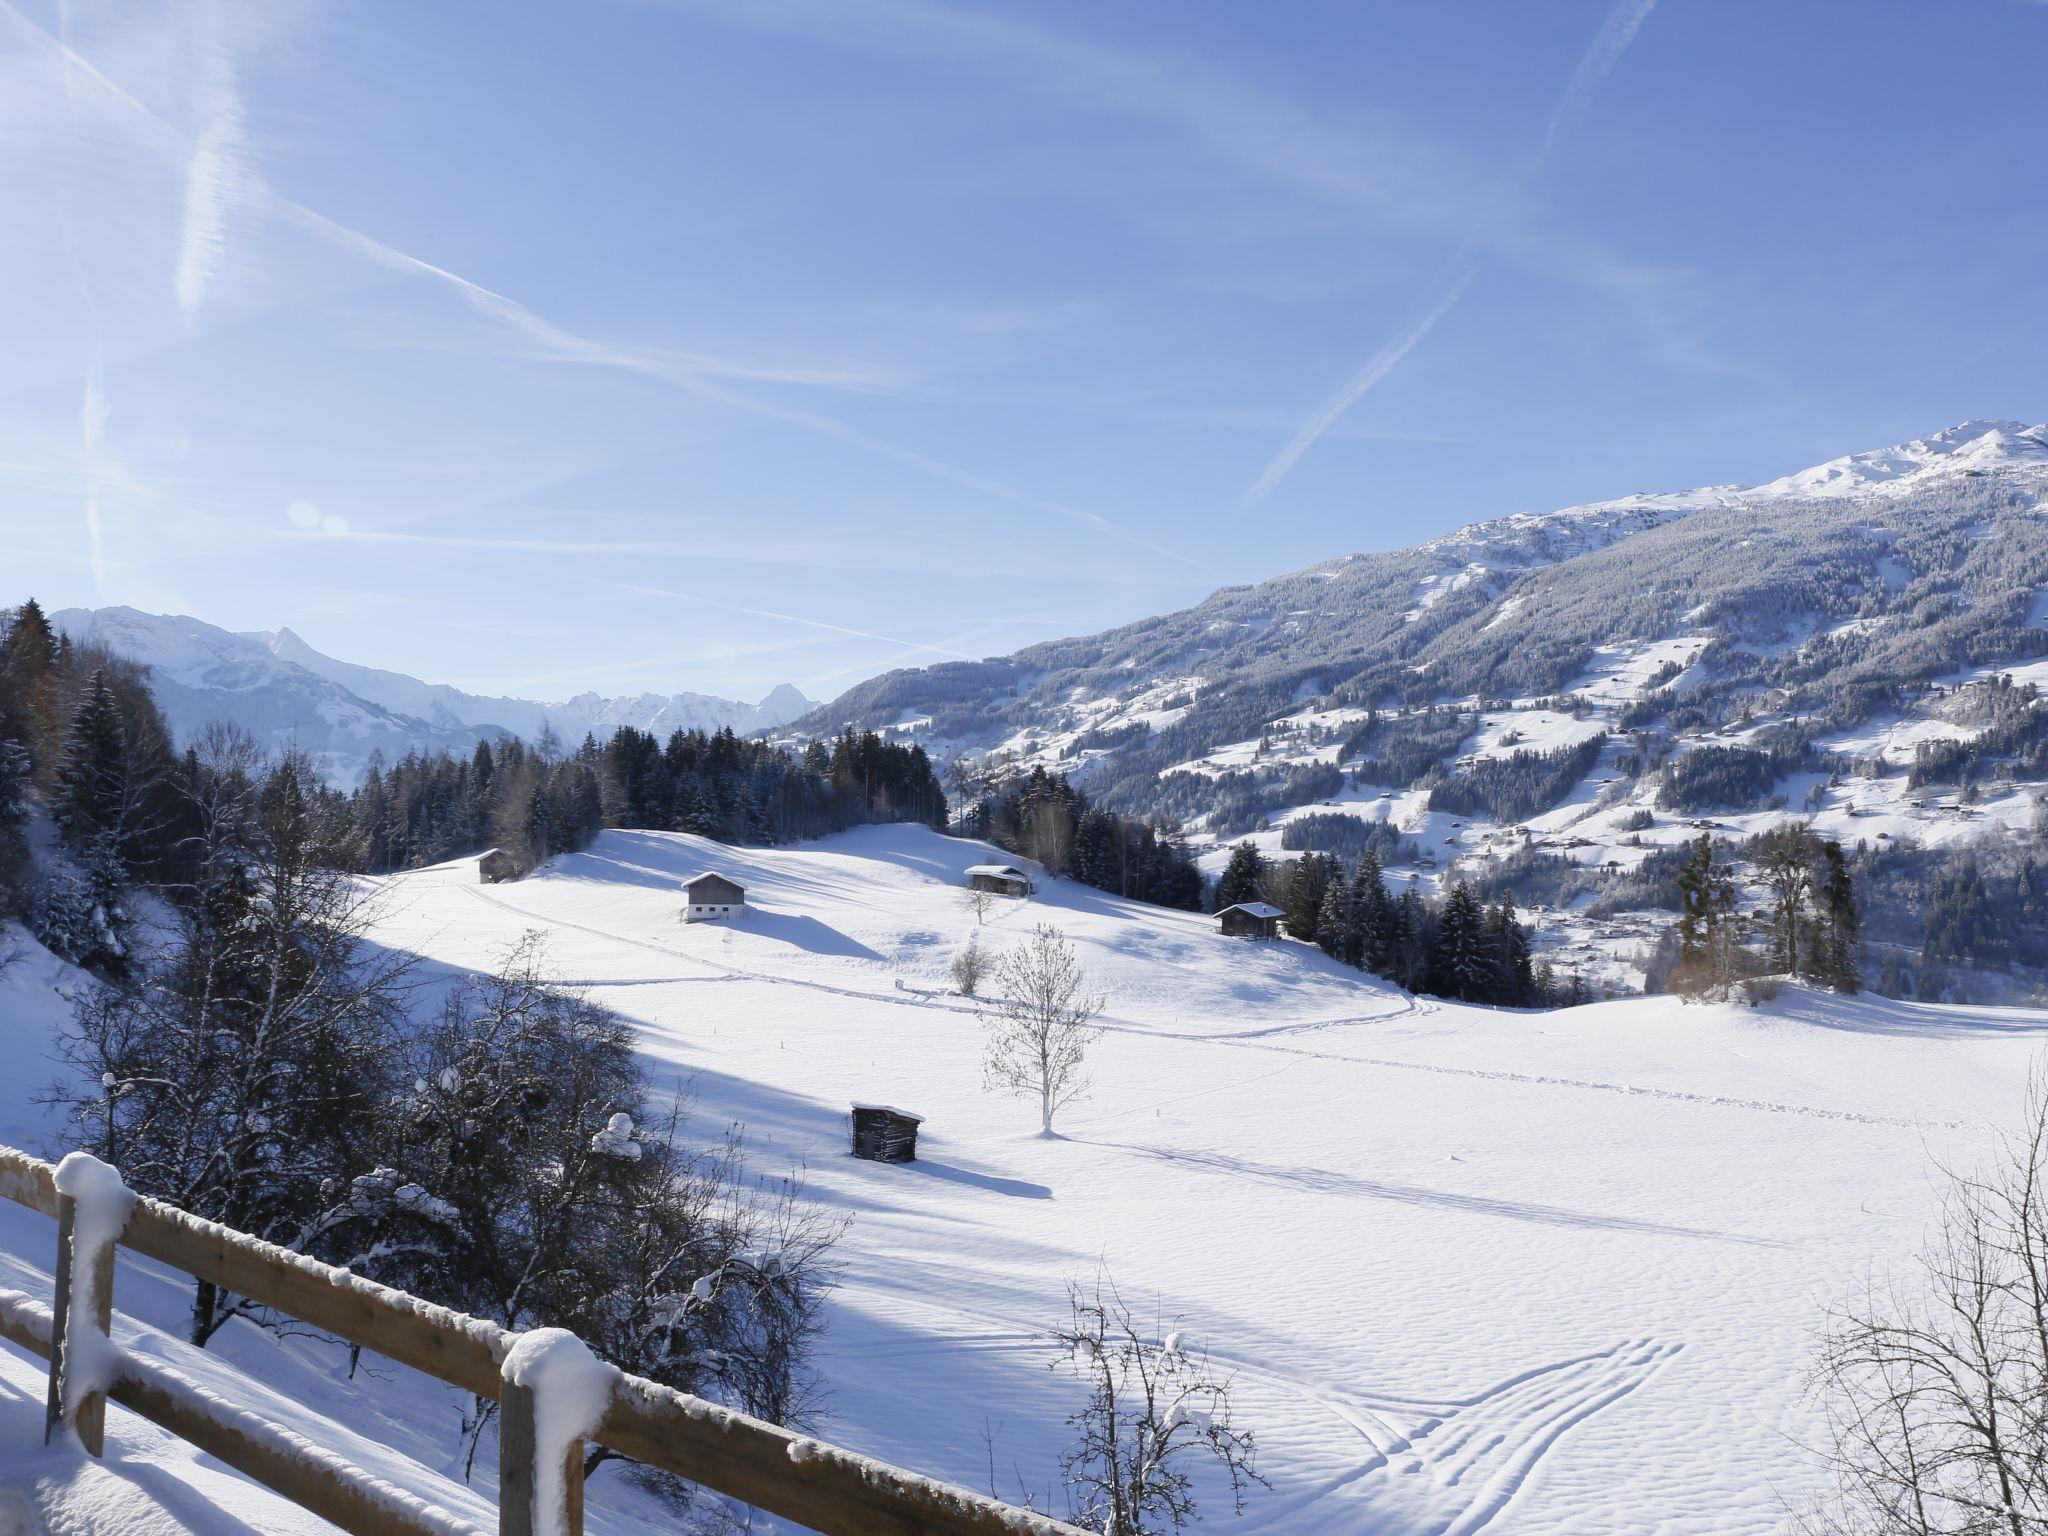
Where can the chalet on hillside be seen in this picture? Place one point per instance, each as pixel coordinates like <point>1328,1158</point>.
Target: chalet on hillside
<point>999,879</point>
<point>709,896</point>
<point>1250,920</point>
<point>497,866</point>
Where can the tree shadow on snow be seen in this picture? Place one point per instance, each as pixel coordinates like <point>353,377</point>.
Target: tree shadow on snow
<point>1325,1181</point>
<point>1022,1189</point>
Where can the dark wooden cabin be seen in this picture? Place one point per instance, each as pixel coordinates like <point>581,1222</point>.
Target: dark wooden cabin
<point>1250,920</point>
<point>1001,879</point>
<point>885,1135</point>
<point>497,866</point>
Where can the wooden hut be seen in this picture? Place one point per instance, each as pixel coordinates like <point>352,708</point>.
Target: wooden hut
<point>1000,879</point>
<point>709,896</point>
<point>885,1135</point>
<point>1250,920</point>
<point>497,866</point>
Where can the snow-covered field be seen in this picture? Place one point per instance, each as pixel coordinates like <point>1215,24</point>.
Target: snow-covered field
<point>1521,1272</point>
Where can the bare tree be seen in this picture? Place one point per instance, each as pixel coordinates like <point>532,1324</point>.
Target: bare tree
<point>970,964</point>
<point>1038,1029</point>
<point>1155,1407</point>
<point>1936,1392</point>
<point>979,902</point>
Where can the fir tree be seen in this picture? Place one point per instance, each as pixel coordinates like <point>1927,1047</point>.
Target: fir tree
<point>1459,963</point>
<point>93,780</point>
<point>1243,878</point>
<point>1842,925</point>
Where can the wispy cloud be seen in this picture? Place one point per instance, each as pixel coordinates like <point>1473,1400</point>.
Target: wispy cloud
<point>220,175</point>
<point>1617,30</point>
<point>797,618</point>
<point>92,432</point>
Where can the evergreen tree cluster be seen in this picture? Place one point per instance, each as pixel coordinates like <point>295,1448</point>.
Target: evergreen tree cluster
<point>1042,816</point>
<point>535,802</point>
<point>1518,786</point>
<point>1457,947</point>
<point>80,734</point>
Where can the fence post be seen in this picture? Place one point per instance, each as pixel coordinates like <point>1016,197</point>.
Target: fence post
<point>554,1394</point>
<point>92,1208</point>
<point>515,1462</point>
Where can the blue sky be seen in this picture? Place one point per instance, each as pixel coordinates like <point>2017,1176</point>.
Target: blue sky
<point>710,344</point>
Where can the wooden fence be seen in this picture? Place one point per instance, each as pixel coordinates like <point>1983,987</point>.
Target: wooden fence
<point>822,1487</point>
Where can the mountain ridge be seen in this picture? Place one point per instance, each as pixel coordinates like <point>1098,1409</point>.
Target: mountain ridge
<point>345,716</point>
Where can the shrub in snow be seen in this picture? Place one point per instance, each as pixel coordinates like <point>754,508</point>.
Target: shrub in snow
<point>971,963</point>
<point>1155,1410</point>
<point>1933,1388</point>
<point>529,1182</point>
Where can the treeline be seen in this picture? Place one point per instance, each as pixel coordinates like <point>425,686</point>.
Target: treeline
<point>534,802</point>
<point>1523,784</point>
<point>1456,948</point>
<point>1042,816</point>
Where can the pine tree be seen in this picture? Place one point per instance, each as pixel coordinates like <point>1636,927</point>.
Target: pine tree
<point>93,779</point>
<point>1459,963</point>
<point>1371,944</point>
<point>30,711</point>
<point>1842,924</point>
<point>1334,923</point>
<point>1243,878</point>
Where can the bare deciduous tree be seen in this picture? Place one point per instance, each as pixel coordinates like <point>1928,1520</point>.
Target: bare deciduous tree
<point>1039,1027</point>
<point>1936,1392</point>
<point>979,902</point>
<point>1155,1408</point>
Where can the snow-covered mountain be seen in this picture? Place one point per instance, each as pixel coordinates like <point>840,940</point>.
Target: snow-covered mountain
<point>1525,701</point>
<point>285,693</point>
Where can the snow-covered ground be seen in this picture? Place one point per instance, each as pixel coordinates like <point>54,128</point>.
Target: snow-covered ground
<point>1473,1269</point>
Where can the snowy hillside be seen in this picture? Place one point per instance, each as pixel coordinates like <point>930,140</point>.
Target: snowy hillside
<point>1531,1273</point>
<point>285,693</point>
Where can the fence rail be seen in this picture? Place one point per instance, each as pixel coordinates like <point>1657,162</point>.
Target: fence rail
<point>822,1487</point>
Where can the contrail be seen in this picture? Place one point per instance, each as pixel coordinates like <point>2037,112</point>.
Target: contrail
<point>1616,32</point>
<point>1609,44</point>
<point>1383,363</point>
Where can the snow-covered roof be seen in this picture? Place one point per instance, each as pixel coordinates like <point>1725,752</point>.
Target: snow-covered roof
<point>997,869</point>
<point>1256,909</point>
<point>712,874</point>
<point>890,1109</point>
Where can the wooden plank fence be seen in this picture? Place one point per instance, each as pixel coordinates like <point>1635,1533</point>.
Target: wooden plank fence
<point>828,1490</point>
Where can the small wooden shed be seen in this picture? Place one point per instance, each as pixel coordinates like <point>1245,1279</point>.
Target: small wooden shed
<point>709,896</point>
<point>1250,920</point>
<point>885,1135</point>
<point>497,866</point>
<point>1001,879</point>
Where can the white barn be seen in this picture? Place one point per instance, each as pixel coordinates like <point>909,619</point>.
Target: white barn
<point>708,896</point>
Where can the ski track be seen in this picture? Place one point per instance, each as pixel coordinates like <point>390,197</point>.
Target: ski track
<point>1250,1039</point>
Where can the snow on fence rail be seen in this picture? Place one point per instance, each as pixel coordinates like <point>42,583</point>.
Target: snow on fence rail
<point>552,1394</point>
